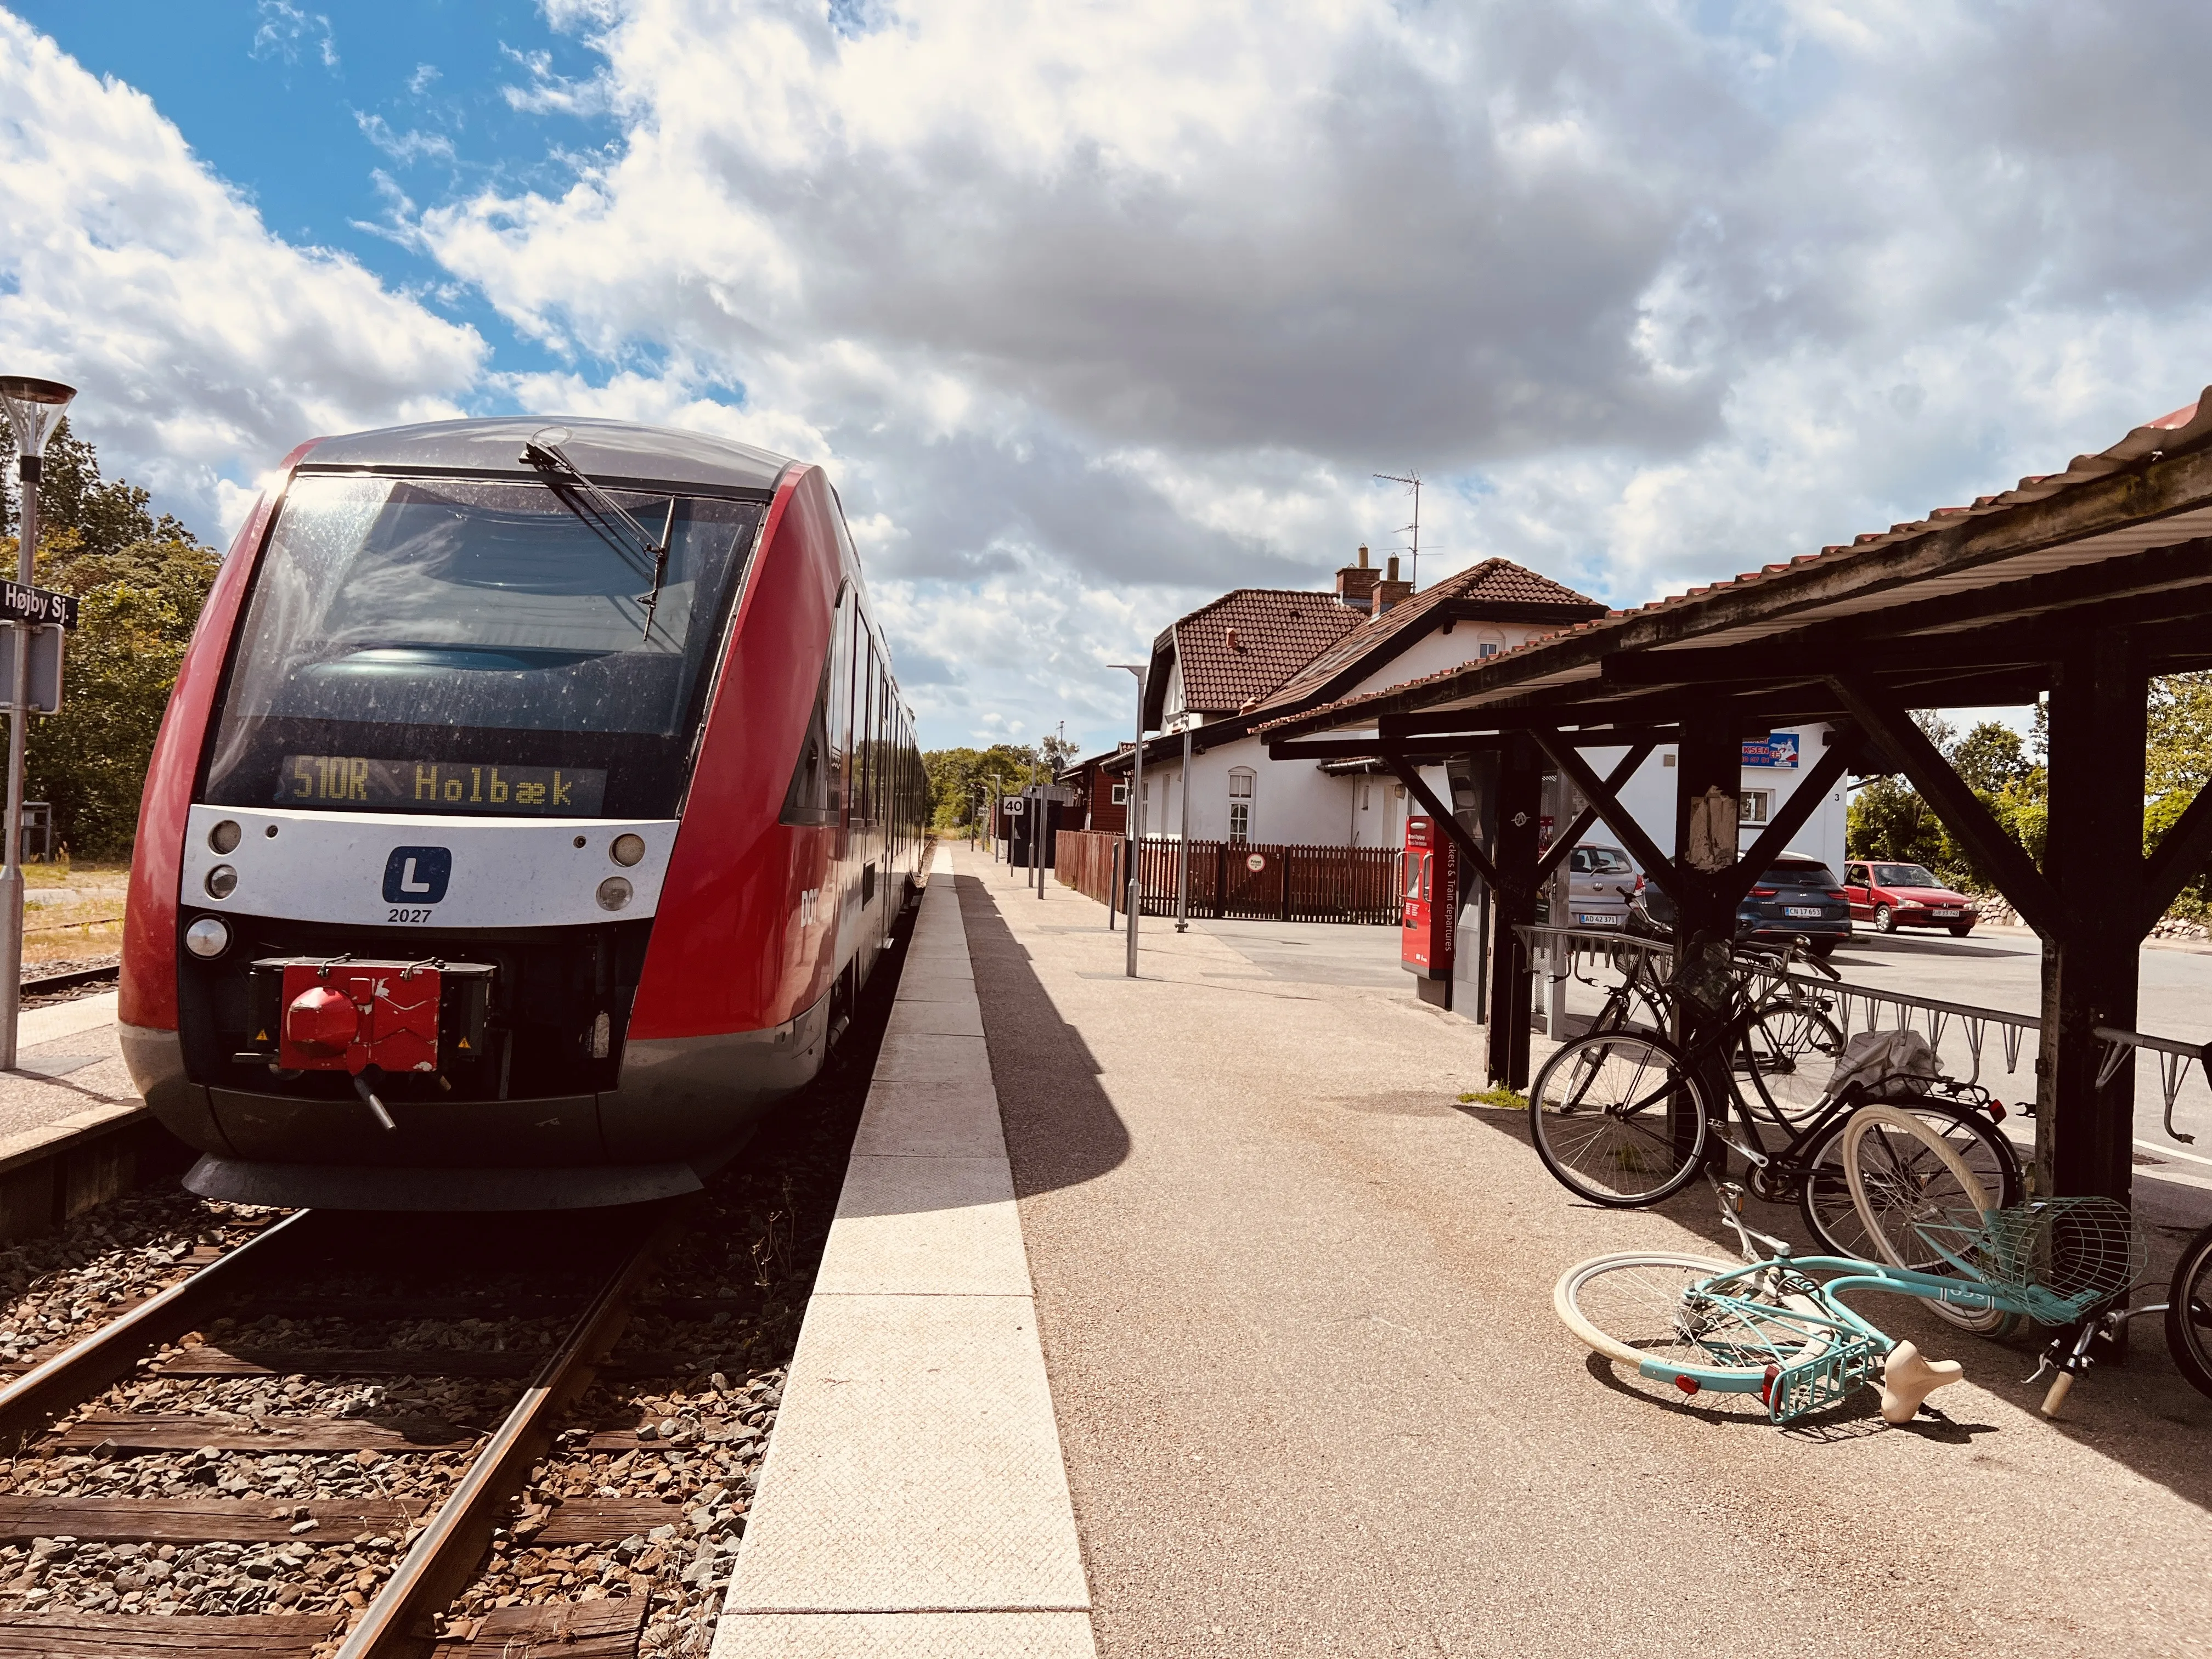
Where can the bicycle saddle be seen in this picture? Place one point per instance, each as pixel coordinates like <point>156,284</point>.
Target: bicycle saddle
<point>1907,1379</point>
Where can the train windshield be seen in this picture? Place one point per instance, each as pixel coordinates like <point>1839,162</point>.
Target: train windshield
<point>416,645</point>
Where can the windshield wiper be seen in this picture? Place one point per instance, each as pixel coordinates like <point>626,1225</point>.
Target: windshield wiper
<point>561,475</point>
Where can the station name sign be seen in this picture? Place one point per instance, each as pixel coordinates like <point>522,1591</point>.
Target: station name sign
<point>41,607</point>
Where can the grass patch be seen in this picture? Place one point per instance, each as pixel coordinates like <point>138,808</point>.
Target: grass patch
<point>1499,1095</point>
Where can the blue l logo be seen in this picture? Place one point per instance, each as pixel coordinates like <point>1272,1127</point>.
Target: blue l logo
<point>417,875</point>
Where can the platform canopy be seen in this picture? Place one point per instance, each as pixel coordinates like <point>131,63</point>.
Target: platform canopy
<point>2078,585</point>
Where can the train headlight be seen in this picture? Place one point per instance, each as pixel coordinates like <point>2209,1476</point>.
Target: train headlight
<point>222,881</point>
<point>627,850</point>
<point>614,893</point>
<point>209,937</point>
<point>223,838</point>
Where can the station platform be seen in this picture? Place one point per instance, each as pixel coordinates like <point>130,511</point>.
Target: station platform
<point>1304,1379</point>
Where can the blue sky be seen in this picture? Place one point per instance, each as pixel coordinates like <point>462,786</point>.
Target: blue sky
<point>1095,309</point>
<point>289,103</point>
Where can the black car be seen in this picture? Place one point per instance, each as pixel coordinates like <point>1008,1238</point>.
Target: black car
<point>1794,896</point>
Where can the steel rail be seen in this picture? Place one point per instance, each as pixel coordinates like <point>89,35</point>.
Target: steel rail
<point>446,1553</point>
<point>34,1400</point>
<point>69,981</point>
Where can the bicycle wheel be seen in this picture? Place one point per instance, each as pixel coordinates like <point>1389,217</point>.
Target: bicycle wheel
<point>1789,1054</point>
<point>1902,1171</point>
<point>1618,1118</point>
<point>1826,1198</point>
<point>1632,1307</point>
<point>2189,1312</point>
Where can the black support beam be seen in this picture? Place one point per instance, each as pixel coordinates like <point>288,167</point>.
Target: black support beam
<point>1904,744</point>
<point>1659,865</point>
<point>1623,770</point>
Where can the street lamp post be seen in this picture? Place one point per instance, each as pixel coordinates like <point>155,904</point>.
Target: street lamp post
<point>1136,815</point>
<point>1182,842</point>
<point>34,407</point>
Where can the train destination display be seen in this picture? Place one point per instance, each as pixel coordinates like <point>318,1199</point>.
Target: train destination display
<point>390,786</point>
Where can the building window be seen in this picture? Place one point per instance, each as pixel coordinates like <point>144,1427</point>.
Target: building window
<point>1240,804</point>
<point>1121,794</point>
<point>1485,649</point>
<point>1754,807</point>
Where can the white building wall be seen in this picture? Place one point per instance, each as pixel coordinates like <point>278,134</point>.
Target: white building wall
<point>1294,801</point>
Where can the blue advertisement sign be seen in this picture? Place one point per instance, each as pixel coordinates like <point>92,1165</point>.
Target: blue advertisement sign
<point>1775,749</point>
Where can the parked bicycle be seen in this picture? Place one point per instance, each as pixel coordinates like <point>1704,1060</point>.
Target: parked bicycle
<point>1623,1117</point>
<point>1788,1047</point>
<point>1776,1324</point>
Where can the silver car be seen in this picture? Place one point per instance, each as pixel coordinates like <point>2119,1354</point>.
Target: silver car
<point>1598,881</point>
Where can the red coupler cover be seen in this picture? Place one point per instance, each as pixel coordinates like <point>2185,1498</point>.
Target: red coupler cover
<point>348,1016</point>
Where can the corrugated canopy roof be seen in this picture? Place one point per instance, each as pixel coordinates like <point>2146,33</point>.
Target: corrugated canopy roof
<point>1968,605</point>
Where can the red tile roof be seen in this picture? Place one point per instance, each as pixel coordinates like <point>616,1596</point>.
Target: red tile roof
<point>1276,631</point>
<point>1494,582</point>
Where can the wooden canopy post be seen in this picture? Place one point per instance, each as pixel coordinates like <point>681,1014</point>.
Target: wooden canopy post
<point>1513,978</point>
<point>2085,1134</point>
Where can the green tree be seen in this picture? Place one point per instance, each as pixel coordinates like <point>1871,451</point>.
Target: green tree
<point>1990,758</point>
<point>955,775</point>
<point>2178,762</point>
<point>141,580</point>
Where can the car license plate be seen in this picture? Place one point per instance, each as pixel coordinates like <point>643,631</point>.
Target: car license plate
<point>1598,922</point>
<point>1812,912</point>
<point>1946,913</point>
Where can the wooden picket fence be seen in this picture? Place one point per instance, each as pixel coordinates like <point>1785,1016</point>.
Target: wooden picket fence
<point>1241,879</point>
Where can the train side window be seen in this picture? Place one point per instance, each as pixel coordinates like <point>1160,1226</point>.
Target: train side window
<point>807,801</point>
<point>816,792</point>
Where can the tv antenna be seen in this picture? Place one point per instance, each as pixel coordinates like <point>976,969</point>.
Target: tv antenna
<point>1413,481</point>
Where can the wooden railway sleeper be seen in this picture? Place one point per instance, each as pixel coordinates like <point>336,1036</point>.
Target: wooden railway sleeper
<point>446,1554</point>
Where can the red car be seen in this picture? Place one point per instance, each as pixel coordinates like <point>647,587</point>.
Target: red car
<point>1894,895</point>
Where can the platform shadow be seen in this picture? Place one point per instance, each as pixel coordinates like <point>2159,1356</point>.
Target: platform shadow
<point>1061,1130</point>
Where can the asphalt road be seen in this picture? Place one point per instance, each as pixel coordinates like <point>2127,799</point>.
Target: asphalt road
<point>1993,967</point>
<point>1295,1297</point>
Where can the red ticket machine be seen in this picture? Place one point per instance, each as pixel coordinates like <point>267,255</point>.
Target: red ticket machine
<point>1432,916</point>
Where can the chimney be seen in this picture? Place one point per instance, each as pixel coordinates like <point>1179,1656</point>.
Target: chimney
<point>1355,583</point>
<point>1233,645</point>
<point>1389,590</point>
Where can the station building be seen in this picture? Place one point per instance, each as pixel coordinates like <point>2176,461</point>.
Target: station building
<point>1260,654</point>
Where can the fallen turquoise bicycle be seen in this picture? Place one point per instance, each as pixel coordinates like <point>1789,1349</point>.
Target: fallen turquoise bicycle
<point>1776,1325</point>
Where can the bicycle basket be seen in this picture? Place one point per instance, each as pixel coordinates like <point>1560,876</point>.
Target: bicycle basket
<point>2058,1257</point>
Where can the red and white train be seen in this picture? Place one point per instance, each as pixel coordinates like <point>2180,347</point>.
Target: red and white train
<point>531,808</point>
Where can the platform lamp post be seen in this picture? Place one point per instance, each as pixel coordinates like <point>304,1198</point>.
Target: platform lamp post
<point>34,407</point>
<point>1182,841</point>
<point>1136,815</point>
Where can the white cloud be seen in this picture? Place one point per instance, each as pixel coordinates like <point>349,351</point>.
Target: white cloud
<point>1095,309</point>
<point>404,147</point>
<point>1129,299</point>
<point>286,30</point>
<point>203,347</point>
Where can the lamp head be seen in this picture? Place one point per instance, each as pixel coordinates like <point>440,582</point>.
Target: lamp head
<point>33,407</point>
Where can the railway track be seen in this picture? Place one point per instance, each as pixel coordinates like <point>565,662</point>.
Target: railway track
<point>426,1548</point>
<point>46,985</point>
<point>353,1435</point>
